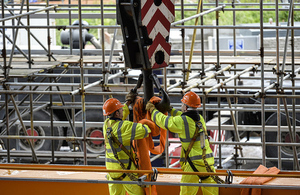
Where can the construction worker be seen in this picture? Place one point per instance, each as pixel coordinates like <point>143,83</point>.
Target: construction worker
<point>196,155</point>
<point>119,134</point>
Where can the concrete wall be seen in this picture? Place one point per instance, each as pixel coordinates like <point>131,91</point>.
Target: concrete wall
<point>270,43</point>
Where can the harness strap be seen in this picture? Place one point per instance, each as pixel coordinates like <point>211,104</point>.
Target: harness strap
<point>111,138</point>
<point>194,138</point>
<point>216,178</point>
<point>194,168</point>
<point>124,174</point>
<point>202,134</point>
<point>121,145</point>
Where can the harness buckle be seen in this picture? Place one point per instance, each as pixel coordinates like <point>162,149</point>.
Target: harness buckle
<point>199,125</point>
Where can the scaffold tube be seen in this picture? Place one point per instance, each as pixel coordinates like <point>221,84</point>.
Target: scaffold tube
<point>95,169</point>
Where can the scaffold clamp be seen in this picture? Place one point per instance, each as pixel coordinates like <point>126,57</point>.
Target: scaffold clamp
<point>154,175</point>
<point>141,181</point>
<point>229,177</point>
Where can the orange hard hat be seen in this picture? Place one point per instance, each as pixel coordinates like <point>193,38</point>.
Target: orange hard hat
<point>111,105</point>
<point>191,99</point>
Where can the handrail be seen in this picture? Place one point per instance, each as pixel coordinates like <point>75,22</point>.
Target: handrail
<point>99,169</point>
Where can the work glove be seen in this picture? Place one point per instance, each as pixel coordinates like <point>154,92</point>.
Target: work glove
<point>131,96</point>
<point>150,107</point>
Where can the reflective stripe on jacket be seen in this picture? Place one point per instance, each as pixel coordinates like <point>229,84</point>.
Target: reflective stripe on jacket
<point>185,127</point>
<point>125,131</point>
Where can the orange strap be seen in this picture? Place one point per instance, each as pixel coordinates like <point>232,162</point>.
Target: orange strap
<point>139,114</point>
<point>143,146</point>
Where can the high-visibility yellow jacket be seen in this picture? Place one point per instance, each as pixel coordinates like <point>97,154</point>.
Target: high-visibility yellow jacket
<point>185,126</point>
<point>125,131</point>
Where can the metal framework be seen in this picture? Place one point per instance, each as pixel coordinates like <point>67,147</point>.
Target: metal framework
<point>31,79</point>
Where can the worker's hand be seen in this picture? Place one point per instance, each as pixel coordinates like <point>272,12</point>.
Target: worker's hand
<point>130,97</point>
<point>150,107</point>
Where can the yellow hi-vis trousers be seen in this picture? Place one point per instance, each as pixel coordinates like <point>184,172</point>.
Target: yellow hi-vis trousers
<point>121,189</point>
<point>192,190</point>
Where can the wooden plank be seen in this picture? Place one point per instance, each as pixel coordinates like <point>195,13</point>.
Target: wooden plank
<point>22,73</point>
<point>287,62</point>
<point>82,182</point>
<point>20,69</point>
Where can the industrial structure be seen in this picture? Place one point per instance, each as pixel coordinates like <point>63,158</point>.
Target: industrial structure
<point>52,96</point>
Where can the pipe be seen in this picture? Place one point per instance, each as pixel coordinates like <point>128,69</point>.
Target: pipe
<point>296,162</point>
<point>262,84</point>
<point>236,133</point>
<point>197,15</point>
<point>286,41</point>
<point>124,93</point>
<point>277,79</point>
<point>23,127</point>
<point>273,84</point>
<point>293,139</point>
<point>18,48</point>
<point>68,138</point>
<point>93,40</point>
<point>49,54</point>
<point>183,43</point>
<point>7,127</point>
<point>67,115</point>
<point>207,78</point>
<point>82,87</point>
<point>30,61</point>
<point>95,169</point>
<point>193,42</point>
<point>28,13</point>
<point>12,121</point>
<point>203,65</point>
<point>37,98</point>
<point>35,38</point>
<point>111,50</point>
<point>96,83</point>
<point>187,26</point>
<point>231,78</point>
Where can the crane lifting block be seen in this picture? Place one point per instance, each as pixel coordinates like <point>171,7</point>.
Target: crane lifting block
<point>146,27</point>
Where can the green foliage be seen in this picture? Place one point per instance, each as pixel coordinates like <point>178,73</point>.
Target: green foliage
<point>225,18</point>
<point>242,17</point>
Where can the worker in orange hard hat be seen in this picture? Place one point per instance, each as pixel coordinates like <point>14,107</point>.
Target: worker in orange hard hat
<point>196,155</point>
<point>119,134</point>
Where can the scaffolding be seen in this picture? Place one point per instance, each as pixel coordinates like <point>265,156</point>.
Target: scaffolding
<point>60,92</point>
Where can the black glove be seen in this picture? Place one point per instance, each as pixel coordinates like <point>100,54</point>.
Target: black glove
<point>131,96</point>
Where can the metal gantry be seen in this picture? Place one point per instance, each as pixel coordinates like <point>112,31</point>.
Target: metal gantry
<point>72,84</point>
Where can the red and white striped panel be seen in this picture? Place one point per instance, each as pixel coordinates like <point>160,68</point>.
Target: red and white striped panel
<point>215,137</point>
<point>158,20</point>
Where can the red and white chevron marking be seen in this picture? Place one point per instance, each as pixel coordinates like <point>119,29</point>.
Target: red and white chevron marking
<point>158,20</point>
<point>215,137</point>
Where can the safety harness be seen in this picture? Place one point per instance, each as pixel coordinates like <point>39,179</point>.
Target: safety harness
<point>202,135</point>
<point>111,138</point>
